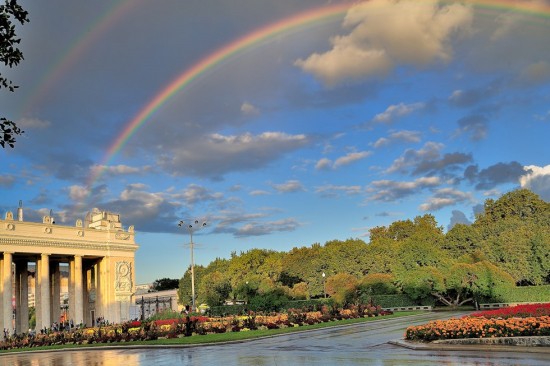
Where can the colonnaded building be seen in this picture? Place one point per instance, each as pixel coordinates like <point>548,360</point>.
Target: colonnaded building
<point>98,255</point>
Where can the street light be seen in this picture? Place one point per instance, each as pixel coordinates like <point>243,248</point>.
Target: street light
<point>324,286</point>
<point>192,228</point>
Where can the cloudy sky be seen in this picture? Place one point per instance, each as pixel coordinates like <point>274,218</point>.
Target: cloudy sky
<point>339,117</point>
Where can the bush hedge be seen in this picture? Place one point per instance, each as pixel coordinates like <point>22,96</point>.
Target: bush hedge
<point>523,294</point>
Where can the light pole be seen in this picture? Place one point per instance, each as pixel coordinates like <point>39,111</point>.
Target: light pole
<point>192,228</point>
<point>324,286</point>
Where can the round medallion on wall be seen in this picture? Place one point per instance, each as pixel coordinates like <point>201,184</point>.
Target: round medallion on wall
<point>48,230</point>
<point>124,269</point>
<point>10,227</point>
<point>80,233</point>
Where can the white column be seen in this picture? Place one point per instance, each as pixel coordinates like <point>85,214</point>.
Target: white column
<point>22,298</point>
<point>56,293</point>
<point>7,292</point>
<point>71,290</point>
<point>1,299</point>
<point>44,291</point>
<point>78,293</point>
<point>37,298</point>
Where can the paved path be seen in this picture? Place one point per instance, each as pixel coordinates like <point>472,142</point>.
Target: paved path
<point>360,344</point>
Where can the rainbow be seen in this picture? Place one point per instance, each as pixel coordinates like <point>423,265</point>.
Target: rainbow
<point>308,18</point>
<point>258,36</point>
<point>84,41</point>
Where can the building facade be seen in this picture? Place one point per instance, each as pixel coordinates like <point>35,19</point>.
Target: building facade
<point>97,253</point>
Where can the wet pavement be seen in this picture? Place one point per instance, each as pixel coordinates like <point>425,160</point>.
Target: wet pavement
<point>360,344</point>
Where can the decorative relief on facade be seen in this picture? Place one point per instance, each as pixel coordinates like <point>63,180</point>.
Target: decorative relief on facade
<point>80,233</point>
<point>79,223</point>
<point>9,215</point>
<point>48,230</point>
<point>123,277</point>
<point>10,226</point>
<point>122,235</point>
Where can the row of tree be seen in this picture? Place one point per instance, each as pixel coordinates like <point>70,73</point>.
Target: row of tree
<point>507,245</point>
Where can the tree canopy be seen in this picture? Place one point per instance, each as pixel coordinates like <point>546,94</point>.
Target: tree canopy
<point>165,284</point>
<point>507,245</point>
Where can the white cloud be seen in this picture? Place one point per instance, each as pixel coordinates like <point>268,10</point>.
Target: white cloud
<point>429,152</point>
<point>248,109</point>
<point>78,193</point>
<point>351,157</point>
<point>335,191</point>
<point>389,190</point>
<point>195,193</point>
<point>259,192</point>
<point>289,186</point>
<point>323,164</point>
<point>216,154</point>
<point>407,136</point>
<point>117,169</point>
<point>395,111</point>
<point>446,197</point>
<point>385,33</point>
<point>265,228</point>
<point>537,179</point>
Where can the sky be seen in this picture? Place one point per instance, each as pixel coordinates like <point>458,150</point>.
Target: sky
<point>279,123</point>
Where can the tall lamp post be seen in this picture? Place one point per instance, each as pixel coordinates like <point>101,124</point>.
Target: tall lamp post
<point>324,286</point>
<point>192,228</point>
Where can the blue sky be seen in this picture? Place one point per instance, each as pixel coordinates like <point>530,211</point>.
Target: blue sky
<point>393,110</point>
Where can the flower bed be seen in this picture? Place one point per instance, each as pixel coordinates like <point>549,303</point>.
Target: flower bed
<point>479,327</point>
<point>517,321</point>
<point>519,311</point>
<point>188,326</point>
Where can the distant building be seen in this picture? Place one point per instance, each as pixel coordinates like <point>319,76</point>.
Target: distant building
<point>151,303</point>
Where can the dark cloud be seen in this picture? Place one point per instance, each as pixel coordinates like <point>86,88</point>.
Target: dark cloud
<point>474,96</point>
<point>216,155</point>
<point>475,125</point>
<point>537,179</point>
<point>242,225</point>
<point>388,190</point>
<point>450,161</point>
<point>43,198</point>
<point>266,228</point>
<point>478,209</point>
<point>458,217</point>
<point>494,175</point>
<point>7,180</point>
<point>429,161</point>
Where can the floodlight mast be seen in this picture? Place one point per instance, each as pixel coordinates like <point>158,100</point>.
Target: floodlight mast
<point>192,228</point>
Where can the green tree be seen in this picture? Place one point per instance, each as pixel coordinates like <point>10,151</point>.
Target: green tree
<point>462,239</point>
<point>245,291</point>
<point>342,287</point>
<point>214,289</point>
<point>165,284</point>
<point>184,288</point>
<point>272,300</point>
<point>346,256</point>
<point>377,284</point>
<point>423,282</point>
<point>300,291</point>
<point>10,56</point>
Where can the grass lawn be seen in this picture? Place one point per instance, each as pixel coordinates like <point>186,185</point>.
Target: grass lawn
<point>217,338</point>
